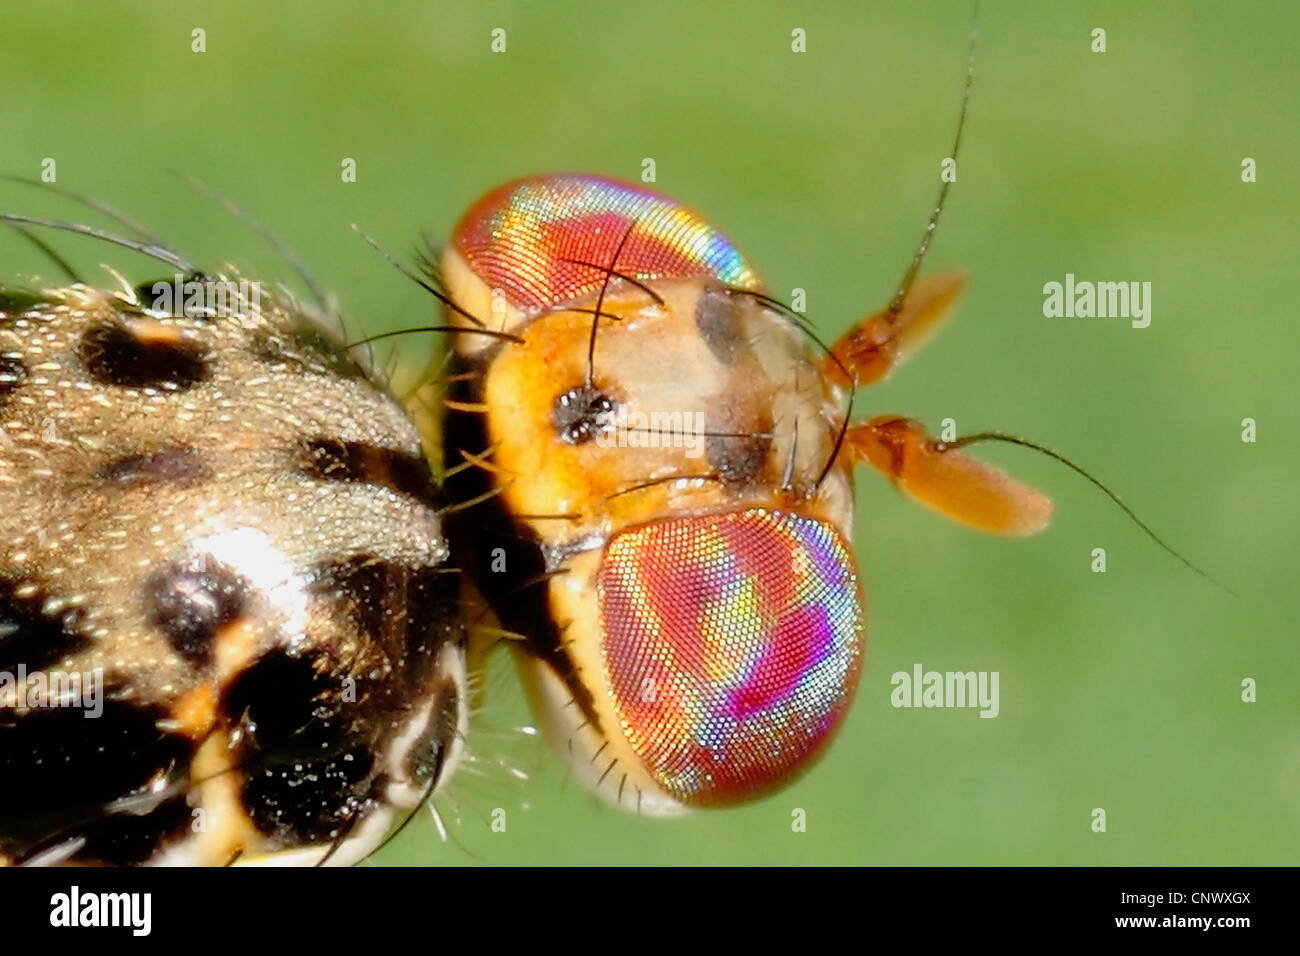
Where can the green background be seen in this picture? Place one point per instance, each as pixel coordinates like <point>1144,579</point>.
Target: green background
<point>1118,690</point>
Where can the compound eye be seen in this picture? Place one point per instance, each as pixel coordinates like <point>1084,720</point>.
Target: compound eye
<point>731,646</point>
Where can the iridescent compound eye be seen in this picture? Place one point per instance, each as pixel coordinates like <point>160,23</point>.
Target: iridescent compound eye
<point>731,646</point>
<point>530,239</point>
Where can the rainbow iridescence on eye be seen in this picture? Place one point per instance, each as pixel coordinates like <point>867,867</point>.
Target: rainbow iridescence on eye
<point>521,237</point>
<point>731,647</point>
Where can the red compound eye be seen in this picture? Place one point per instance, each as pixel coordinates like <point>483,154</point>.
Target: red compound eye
<point>731,645</point>
<point>521,238</point>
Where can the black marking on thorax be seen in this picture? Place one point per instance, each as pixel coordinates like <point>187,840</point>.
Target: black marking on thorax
<point>13,372</point>
<point>14,302</point>
<point>113,356</point>
<point>191,603</point>
<point>31,637</point>
<point>63,772</point>
<point>332,459</point>
<point>403,610</point>
<point>301,733</point>
<point>177,464</point>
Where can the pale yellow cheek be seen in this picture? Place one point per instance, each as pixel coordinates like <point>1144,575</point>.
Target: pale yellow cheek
<point>597,752</point>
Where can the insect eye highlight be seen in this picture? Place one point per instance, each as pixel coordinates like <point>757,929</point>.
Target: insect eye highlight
<point>731,647</point>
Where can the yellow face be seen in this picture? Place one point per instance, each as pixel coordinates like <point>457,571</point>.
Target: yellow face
<point>674,418</point>
<point>664,521</point>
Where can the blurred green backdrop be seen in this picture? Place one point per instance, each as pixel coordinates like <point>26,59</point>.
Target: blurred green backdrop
<point>1119,690</point>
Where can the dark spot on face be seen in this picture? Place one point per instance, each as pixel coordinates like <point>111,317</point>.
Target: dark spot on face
<point>32,637</point>
<point>178,464</point>
<point>190,604</point>
<point>12,374</point>
<point>113,356</point>
<point>717,316</point>
<point>738,458</point>
<point>62,769</point>
<point>409,612</point>
<point>330,459</point>
<point>582,413</point>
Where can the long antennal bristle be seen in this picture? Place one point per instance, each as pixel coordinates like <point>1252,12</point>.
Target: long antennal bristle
<point>909,277</point>
<point>1057,456</point>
